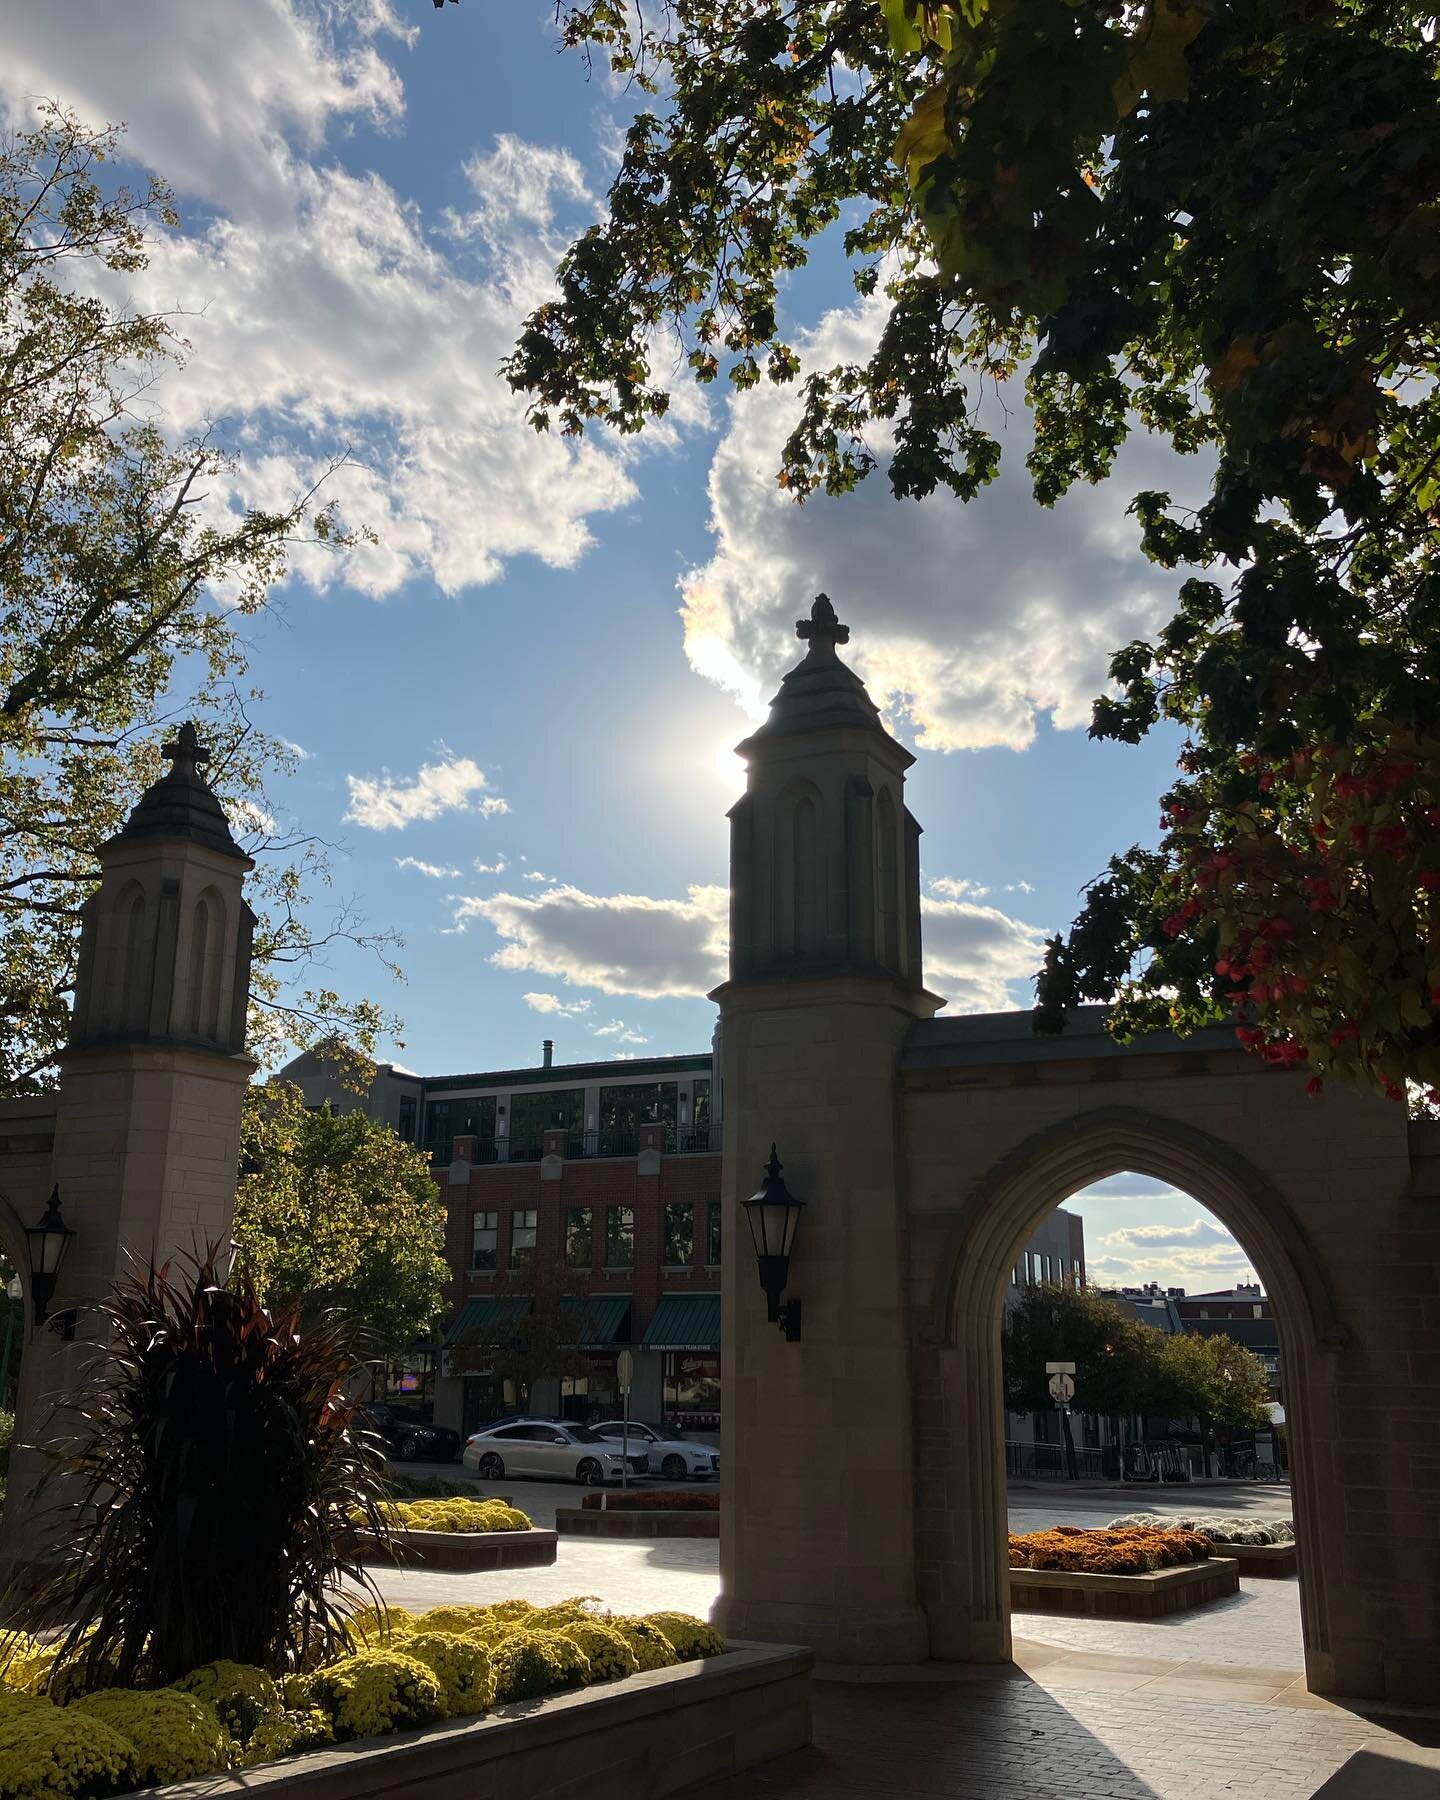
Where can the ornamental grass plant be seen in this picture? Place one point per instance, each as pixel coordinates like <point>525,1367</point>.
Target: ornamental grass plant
<point>211,1472</point>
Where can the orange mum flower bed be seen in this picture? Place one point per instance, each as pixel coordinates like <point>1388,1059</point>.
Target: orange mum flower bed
<point>1132,1550</point>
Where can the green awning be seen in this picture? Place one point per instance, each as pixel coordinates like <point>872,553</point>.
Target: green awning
<point>605,1318</point>
<point>685,1322</point>
<point>493,1314</point>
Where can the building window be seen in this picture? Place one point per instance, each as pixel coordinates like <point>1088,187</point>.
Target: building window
<point>700,1109</point>
<point>619,1237</point>
<point>623,1110</point>
<point>579,1237</point>
<point>712,1234</point>
<point>445,1120</point>
<point>533,1114</point>
<point>679,1234</point>
<point>406,1126</point>
<point>483,1233</point>
<point>522,1236</point>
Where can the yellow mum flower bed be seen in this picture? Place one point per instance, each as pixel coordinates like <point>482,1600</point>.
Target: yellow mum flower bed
<point>406,1669</point>
<point>454,1515</point>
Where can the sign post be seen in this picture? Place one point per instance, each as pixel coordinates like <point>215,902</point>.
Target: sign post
<point>1062,1392</point>
<point>624,1375</point>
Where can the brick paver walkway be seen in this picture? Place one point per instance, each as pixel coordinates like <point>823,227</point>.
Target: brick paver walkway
<point>1013,1738</point>
<point>1204,1706</point>
<point>1259,1628</point>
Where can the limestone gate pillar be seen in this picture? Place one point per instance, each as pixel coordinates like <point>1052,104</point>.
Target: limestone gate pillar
<point>147,1126</point>
<point>817,1537</point>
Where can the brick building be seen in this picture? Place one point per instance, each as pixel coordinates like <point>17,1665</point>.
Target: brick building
<point>608,1171</point>
<point>611,1173</point>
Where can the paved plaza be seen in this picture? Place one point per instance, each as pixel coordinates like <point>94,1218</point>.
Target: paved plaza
<point>1201,1706</point>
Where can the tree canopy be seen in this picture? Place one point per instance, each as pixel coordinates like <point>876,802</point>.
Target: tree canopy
<point>535,1339</point>
<point>1125,1366</point>
<point>1214,220</point>
<point>334,1210</point>
<point>115,541</point>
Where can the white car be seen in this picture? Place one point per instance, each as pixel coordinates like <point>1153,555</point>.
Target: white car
<point>670,1455</point>
<point>535,1447</point>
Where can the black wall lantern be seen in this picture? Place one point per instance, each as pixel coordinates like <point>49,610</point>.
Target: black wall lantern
<point>48,1241</point>
<point>774,1212</point>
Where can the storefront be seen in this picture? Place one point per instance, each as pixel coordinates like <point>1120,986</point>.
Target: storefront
<point>686,1331</point>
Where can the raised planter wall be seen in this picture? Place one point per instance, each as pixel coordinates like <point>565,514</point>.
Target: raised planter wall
<point>637,1739</point>
<point>1124,1596</point>
<point>465,1549</point>
<point>578,1521</point>
<point>1269,1561</point>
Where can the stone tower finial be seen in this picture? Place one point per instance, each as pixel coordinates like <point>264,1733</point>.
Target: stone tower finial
<point>822,628</point>
<point>181,804</point>
<point>186,754</point>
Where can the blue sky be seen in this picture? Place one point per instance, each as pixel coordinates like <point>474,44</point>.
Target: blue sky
<point>515,710</point>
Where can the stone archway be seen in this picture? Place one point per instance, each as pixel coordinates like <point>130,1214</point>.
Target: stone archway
<point>958,1354</point>
<point>862,1475</point>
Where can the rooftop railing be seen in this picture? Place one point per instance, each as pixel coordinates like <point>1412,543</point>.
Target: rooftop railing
<point>681,1140</point>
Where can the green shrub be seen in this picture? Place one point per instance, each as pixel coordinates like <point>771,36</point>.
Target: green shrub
<point>47,1753</point>
<point>653,1650</point>
<point>242,1695</point>
<point>692,1637</point>
<point>175,1737</point>
<point>461,1666</point>
<point>530,1664</point>
<point>375,1691</point>
<point>609,1655</point>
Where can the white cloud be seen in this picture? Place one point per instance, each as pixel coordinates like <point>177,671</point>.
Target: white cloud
<point>323,311</point>
<point>385,803</point>
<point>495,868</point>
<point>951,889</point>
<point>620,1031</point>
<point>250,818</point>
<point>970,622</point>
<point>553,1004</point>
<point>633,944</point>
<point>437,870</point>
<point>973,953</point>
<point>535,875</point>
<point>617,943</point>
<point>1019,887</point>
<point>1198,1253</point>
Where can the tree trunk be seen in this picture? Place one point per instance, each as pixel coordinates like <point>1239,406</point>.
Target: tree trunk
<point>1070,1469</point>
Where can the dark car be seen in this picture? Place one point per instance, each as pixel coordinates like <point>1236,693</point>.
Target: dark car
<point>409,1438</point>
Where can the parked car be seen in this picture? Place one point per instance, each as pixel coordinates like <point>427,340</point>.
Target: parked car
<point>566,1452</point>
<point>670,1455</point>
<point>408,1437</point>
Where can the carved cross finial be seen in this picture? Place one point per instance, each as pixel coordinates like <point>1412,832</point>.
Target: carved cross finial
<point>186,753</point>
<point>822,627</point>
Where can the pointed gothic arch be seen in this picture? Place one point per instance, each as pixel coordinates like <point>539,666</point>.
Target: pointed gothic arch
<point>961,1334</point>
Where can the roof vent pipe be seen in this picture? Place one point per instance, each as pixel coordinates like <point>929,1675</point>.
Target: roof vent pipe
<point>547,1053</point>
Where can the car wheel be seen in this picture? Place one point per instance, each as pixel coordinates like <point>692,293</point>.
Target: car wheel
<point>590,1473</point>
<point>410,1450</point>
<point>673,1468</point>
<point>490,1466</point>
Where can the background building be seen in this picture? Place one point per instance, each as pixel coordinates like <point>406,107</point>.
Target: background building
<point>611,1173</point>
<point>1242,1313</point>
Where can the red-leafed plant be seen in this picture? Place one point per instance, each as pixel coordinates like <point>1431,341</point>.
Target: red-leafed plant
<point>213,1468</point>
